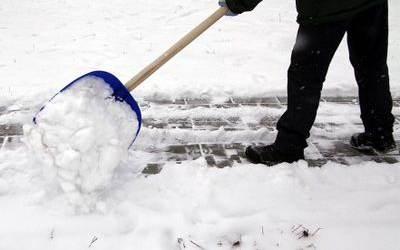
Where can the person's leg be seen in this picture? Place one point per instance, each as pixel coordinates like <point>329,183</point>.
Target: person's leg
<point>311,56</point>
<point>368,42</point>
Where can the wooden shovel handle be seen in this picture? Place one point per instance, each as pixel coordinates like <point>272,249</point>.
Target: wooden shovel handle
<point>171,52</point>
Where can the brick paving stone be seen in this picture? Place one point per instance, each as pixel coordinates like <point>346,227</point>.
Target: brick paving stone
<point>325,125</point>
<point>256,100</point>
<point>318,162</point>
<point>182,107</point>
<point>236,121</point>
<point>214,149</point>
<point>164,101</point>
<point>272,105</point>
<point>226,105</point>
<point>210,160</point>
<point>183,123</point>
<point>269,121</point>
<point>154,123</point>
<point>182,152</point>
<point>223,163</point>
<point>256,126</point>
<point>341,99</point>
<point>152,168</point>
<point>282,99</point>
<point>209,123</point>
<point>3,110</point>
<point>198,101</point>
<point>248,104</point>
<point>11,129</point>
<point>234,149</point>
<point>231,123</point>
<point>337,149</point>
<point>223,155</point>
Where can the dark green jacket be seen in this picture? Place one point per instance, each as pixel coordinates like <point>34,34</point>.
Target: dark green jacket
<point>313,11</point>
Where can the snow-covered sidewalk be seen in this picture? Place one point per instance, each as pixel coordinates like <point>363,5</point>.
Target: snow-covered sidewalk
<point>204,194</point>
<point>190,128</point>
<point>221,93</point>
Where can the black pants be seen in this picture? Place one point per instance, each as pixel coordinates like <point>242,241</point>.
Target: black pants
<point>367,38</point>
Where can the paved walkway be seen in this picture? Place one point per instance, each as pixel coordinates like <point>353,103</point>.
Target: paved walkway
<point>338,118</point>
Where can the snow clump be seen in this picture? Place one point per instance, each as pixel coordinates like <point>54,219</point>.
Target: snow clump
<point>81,136</point>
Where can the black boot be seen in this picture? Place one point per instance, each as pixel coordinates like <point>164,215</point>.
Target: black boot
<point>366,142</point>
<point>269,155</point>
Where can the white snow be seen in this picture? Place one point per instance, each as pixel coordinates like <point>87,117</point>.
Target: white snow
<point>46,43</point>
<point>81,135</point>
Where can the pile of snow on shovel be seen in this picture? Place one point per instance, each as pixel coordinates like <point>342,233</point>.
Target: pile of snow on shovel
<point>81,136</point>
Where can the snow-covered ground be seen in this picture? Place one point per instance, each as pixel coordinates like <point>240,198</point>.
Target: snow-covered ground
<point>45,44</point>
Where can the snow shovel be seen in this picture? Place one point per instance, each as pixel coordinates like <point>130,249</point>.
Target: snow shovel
<point>122,92</point>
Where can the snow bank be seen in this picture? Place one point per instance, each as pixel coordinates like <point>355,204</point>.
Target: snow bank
<point>356,206</point>
<point>81,136</point>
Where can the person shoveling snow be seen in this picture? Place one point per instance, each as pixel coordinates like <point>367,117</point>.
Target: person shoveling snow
<point>322,26</point>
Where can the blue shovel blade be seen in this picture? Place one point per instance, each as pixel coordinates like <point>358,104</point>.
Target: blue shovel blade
<point>120,93</point>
